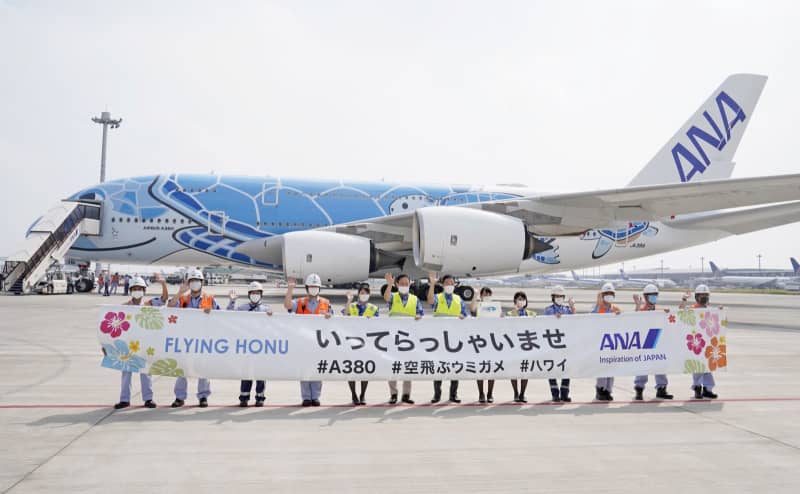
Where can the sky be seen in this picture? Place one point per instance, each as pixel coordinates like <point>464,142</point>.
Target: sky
<point>561,96</point>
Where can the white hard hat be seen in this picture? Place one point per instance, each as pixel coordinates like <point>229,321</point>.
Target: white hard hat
<point>255,287</point>
<point>558,290</point>
<point>650,288</point>
<point>313,280</point>
<point>138,281</point>
<point>608,287</point>
<point>196,274</point>
<point>702,289</point>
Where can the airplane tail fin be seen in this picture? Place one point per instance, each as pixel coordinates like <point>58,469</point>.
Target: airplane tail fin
<point>622,274</point>
<point>574,275</point>
<point>714,269</point>
<point>703,148</point>
<point>795,266</point>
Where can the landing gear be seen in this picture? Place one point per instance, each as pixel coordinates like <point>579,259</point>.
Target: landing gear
<point>466,292</point>
<point>83,285</point>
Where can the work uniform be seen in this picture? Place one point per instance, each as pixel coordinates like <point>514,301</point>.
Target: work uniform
<point>203,301</point>
<point>144,379</point>
<point>606,383</point>
<point>311,390</point>
<point>403,306</point>
<point>447,305</point>
<point>561,393</point>
<point>519,393</point>
<point>247,384</point>
<point>704,379</point>
<point>357,309</point>
<point>661,379</point>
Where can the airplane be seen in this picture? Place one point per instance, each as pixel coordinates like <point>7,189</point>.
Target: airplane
<point>642,282</point>
<point>349,231</point>
<point>720,278</point>
<point>790,282</point>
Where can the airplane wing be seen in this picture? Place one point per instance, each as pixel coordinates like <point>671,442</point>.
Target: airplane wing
<point>572,214</point>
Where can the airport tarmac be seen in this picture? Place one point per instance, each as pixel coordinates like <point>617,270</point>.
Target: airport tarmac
<point>60,434</point>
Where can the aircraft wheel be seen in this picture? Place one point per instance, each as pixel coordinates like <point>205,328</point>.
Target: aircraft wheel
<point>466,292</point>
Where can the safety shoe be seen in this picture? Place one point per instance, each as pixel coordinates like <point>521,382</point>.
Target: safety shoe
<point>522,399</point>
<point>203,403</point>
<point>603,394</point>
<point>639,394</point>
<point>121,405</point>
<point>662,393</point>
<point>260,401</point>
<point>516,397</point>
<point>315,403</point>
<point>437,397</point>
<point>306,403</point>
<point>356,401</point>
<point>454,399</point>
<point>243,402</point>
<point>150,404</point>
<point>555,394</point>
<point>565,395</point>
<point>362,400</point>
<point>489,399</point>
<point>698,392</point>
<point>393,399</point>
<point>407,399</point>
<point>177,403</point>
<point>481,398</point>
<point>708,394</point>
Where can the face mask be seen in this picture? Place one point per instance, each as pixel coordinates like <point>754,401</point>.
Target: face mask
<point>558,300</point>
<point>403,290</point>
<point>137,294</point>
<point>195,285</point>
<point>521,304</point>
<point>608,298</point>
<point>449,289</point>
<point>652,299</point>
<point>702,299</point>
<point>313,291</point>
<point>255,298</point>
<point>363,298</point>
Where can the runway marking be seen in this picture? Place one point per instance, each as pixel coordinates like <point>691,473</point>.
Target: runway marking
<point>431,405</point>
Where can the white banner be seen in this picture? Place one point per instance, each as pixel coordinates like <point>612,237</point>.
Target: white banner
<point>243,345</point>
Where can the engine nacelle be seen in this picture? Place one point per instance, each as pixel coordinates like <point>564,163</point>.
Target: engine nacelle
<point>468,242</point>
<point>335,257</point>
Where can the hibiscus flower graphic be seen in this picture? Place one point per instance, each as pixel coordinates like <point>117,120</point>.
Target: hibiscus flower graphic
<point>716,353</point>
<point>695,342</point>
<point>709,322</point>
<point>118,356</point>
<point>114,324</point>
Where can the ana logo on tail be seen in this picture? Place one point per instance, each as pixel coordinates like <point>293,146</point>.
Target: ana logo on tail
<point>795,266</point>
<point>729,114</point>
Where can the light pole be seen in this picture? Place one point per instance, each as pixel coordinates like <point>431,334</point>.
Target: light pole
<point>106,121</point>
<point>759,262</point>
<point>702,261</point>
<point>662,268</point>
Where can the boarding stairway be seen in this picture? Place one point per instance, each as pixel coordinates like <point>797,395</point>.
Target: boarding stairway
<point>47,242</point>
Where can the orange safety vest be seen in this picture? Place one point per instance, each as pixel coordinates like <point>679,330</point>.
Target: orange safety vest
<point>601,309</point>
<point>206,300</point>
<point>322,308</point>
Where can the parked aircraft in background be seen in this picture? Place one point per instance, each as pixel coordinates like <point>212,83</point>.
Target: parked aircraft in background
<point>348,231</point>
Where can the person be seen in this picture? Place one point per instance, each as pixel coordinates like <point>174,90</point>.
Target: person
<point>100,283</point>
<point>114,283</point>
<point>402,303</point>
<point>650,293</point>
<point>605,305</point>
<point>520,310</point>
<point>474,308</point>
<point>360,308</point>
<point>137,298</point>
<point>702,382</point>
<point>312,303</point>
<point>255,293</point>
<point>445,304</point>
<point>106,283</point>
<point>559,308</point>
<point>126,280</point>
<point>192,296</point>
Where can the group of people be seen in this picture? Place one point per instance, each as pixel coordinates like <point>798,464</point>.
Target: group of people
<point>108,284</point>
<point>400,303</point>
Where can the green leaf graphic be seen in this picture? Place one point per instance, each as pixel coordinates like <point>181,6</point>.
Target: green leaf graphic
<point>688,317</point>
<point>694,367</point>
<point>150,318</point>
<point>166,367</point>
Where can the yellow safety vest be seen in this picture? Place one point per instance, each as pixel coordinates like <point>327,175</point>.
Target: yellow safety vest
<point>397,308</point>
<point>442,310</point>
<point>370,311</point>
<point>515,313</point>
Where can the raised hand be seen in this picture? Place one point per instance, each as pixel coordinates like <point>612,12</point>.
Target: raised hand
<point>432,279</point>
<point>232,295</point>
<point>389,279</point>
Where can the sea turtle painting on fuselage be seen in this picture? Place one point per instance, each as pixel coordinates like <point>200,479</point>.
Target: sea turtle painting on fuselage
<point>606,238</point>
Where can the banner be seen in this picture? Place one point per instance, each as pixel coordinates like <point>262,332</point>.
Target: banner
<point>243,345</point>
